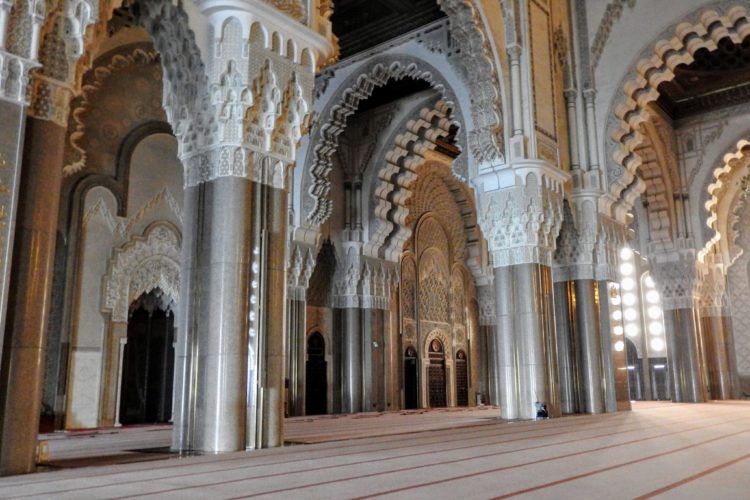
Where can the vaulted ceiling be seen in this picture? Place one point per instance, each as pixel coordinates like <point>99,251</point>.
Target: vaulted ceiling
<point>361,24</point>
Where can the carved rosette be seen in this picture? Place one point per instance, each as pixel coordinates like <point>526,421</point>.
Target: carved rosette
<point>522,211</point>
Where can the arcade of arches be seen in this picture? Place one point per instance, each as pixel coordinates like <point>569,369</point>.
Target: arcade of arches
<point>221,214</point>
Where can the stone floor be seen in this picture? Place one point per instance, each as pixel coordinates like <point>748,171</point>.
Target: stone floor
<point>666,450</point>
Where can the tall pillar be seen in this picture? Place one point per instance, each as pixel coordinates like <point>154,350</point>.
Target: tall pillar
<point>715,324</point>
<point>521,243</point>
<point>301,265</point>
<point>487,328</point>
<point>675,275</point>
<point>589,346</point>
<point>504,347</point>
<point>29,301</point>
<point>351,360</point>
<point>238,129</point>
<point>565,360</point>
<point>718,348</point>
<point>614,362</point>
<point>296,346</point>
<point>31,275</point>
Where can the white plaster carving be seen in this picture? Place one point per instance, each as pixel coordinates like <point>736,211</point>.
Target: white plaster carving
<point>141,265</point>
<point>522,211</point>
<point>642,90</point>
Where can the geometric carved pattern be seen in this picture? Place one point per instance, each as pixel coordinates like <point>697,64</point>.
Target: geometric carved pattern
<point>738,282</point>
<point>408,287</point>
<point>725,203</point>
<point>143,264</point>
<point>333,122</point>
<point>434,287</point>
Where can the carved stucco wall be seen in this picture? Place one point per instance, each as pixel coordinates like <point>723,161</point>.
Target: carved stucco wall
<point>739,291</point>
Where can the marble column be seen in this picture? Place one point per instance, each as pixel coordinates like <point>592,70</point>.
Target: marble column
<point>29,301</point>
<point>564,327</point>
<point>296,347</point>
<point>504,383</point>
<point>719,346</point>
<point>589,346</point>
<point>212,344</point>
<point>683,349</point>
<point>614,363</point>
<point>351,361</point>
<point>526,349</point>
<point>272,377</point>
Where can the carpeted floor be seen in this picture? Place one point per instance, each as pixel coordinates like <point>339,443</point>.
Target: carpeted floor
<point>668,450</point>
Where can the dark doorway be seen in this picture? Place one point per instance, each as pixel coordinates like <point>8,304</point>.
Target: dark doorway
<point>462,379</point>
<point>436,375</point>
<point>148,362</point>
<point>411,387</point>
<point>316,376</point>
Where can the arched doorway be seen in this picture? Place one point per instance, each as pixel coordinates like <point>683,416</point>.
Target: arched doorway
<point>462,379</point>
<point>411,387</point>
<point>148,362</point>
<point>436,375</point>
<point>316,380</point>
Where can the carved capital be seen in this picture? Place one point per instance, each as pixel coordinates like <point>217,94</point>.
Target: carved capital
<point>521,211</point>
<point>50,100</point>
<point>677,279</point>
<point>363,282</point>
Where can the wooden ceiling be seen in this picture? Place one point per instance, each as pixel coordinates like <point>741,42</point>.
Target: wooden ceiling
<point>715,79</point>
<point>361,24</point>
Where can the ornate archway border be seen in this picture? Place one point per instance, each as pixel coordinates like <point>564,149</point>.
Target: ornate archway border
<point>641,90</point>
<point>141,265</point>
<point>413,150</point>
<point>735,164</point>
<point>345,103</point>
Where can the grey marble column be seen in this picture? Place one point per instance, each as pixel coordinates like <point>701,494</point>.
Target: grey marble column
<point>526,348</point>
<point>718,347</point>
<point>503,344</point>
<point>295,360</point>
<point>614,372</point>
<point>565,356</point>
<point>589,346</point>
<point>373,362</point>
<point>684,356</point>
<point>29,299</point>
<point>211,356</point>
<point>351,361</point>
<point>537,347</point>
<point>275,266</point>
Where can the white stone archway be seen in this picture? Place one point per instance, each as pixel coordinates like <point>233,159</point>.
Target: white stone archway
<point>641,89</point>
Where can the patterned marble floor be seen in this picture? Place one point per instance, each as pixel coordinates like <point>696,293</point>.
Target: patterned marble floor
<point>664,450</point>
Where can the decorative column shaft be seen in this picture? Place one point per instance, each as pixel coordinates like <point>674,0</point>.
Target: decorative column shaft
<point>717,331</point>
<point>238,142</point>
<point>521,213</point>
<point>675,275</point>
